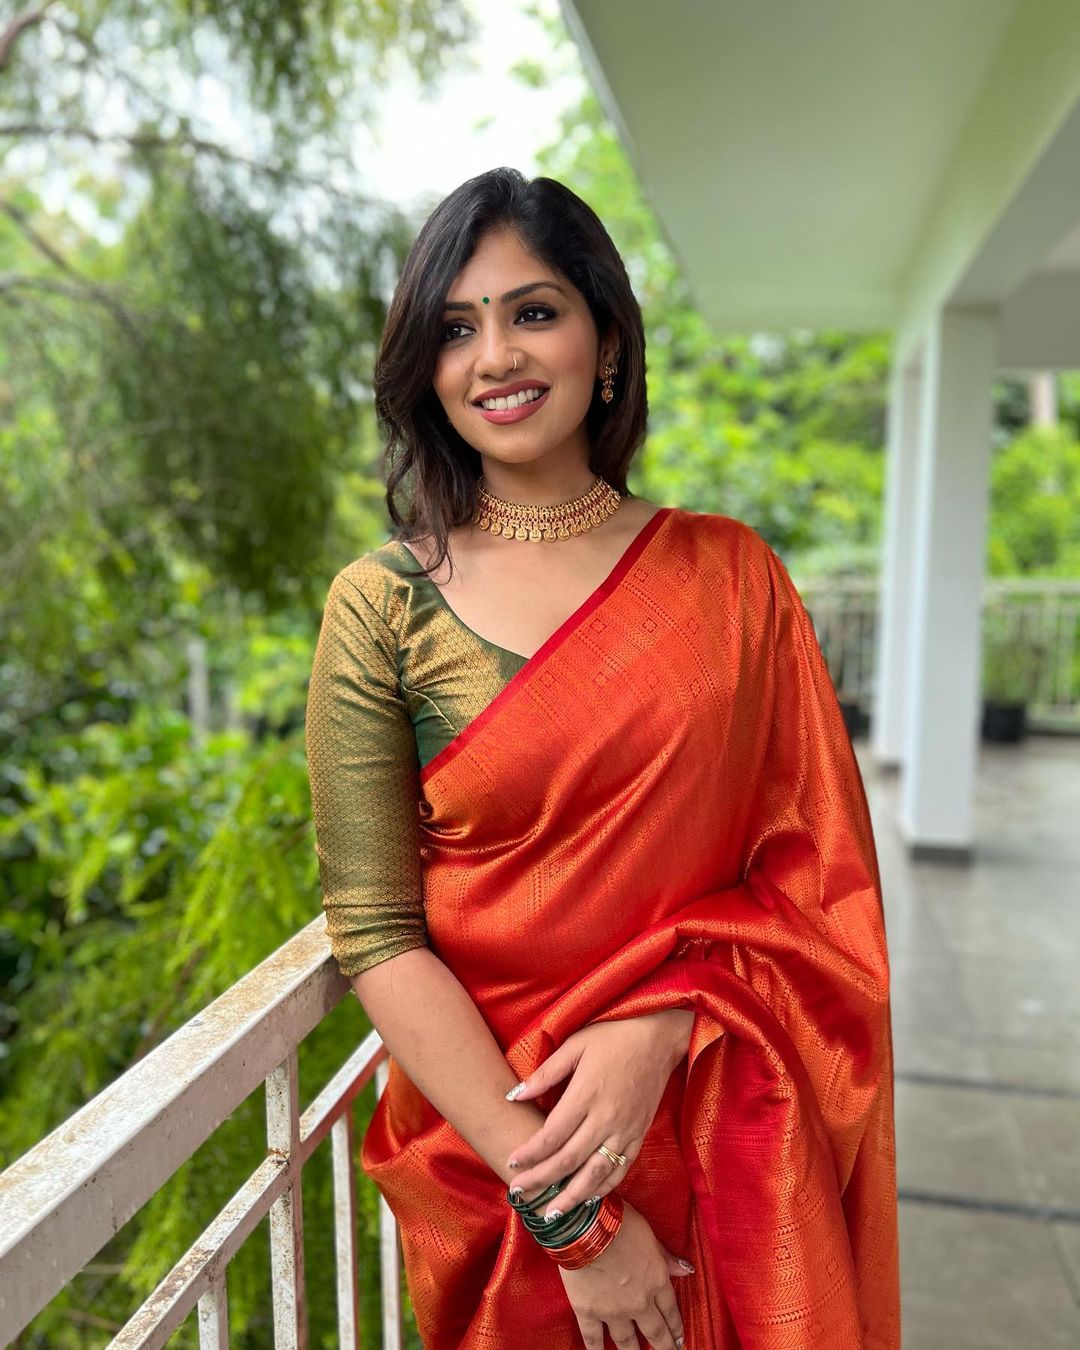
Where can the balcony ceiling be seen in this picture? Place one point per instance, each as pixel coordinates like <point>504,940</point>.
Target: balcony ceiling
<point>823,162</point>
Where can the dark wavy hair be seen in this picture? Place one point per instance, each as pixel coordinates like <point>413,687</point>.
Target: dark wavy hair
<point>431,471</point>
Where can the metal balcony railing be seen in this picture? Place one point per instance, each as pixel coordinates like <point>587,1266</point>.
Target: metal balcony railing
<point>1037,611</point>
<point>61,1202</point>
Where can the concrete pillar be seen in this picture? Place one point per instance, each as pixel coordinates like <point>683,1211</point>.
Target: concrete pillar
<point>952,489</point>
<point>889,719</point>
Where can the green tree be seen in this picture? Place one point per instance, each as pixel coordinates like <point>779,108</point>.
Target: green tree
<point>1035,505</point>
<point>186,443</point>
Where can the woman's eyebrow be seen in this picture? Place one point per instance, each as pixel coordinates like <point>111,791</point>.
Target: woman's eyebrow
<point>510,295</point>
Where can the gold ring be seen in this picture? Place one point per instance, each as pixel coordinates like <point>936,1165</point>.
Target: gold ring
<point>618,1158</point>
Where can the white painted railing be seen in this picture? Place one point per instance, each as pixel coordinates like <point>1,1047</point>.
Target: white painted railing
<point>1046,613</point>
<point>61,1202</point>
<point>844,612</point>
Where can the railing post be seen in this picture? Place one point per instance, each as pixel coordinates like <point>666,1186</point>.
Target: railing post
<point>389,1251</point>
<point>214,1316</point>
<point>348,1281</point>
<point>286,1213</point>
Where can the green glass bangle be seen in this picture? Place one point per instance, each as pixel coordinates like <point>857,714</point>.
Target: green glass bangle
<point>542,1228</point>
<point>584,1217</point>
<point>554,1233</point>
<point>525,1207</point>
<point>562,1231</point>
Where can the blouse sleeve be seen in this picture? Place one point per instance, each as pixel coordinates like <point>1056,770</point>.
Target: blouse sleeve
<point>364,775</point>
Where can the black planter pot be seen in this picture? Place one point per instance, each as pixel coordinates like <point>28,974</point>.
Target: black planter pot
<point>855,718</point>
<point>1004,722</point>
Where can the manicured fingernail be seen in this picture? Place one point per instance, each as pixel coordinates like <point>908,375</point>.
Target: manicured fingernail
<point>515,1092</point>
<point>594,1197</point>
<point>512,1162</point>
<point>679,1342</point>
<point>686,1265</point>
<point>552,1215</point>
<point>517,1192</point>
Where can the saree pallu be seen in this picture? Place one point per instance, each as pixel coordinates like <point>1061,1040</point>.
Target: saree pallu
<point>662,809</point>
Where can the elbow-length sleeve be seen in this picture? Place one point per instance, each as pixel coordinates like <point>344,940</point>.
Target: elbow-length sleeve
<point>363,771</point>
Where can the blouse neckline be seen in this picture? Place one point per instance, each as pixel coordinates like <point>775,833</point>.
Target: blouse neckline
<point>630,551</point>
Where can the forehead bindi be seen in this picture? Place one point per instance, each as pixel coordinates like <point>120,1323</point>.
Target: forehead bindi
<point>539,287</point>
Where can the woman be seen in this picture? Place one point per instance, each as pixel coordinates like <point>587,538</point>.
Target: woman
<point>590,827</point>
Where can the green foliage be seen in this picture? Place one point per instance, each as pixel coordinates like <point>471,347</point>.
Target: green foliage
<point>144,875</point>
<point>139,886</point>
<point>246,448</point>
<point>305,69</point>
<point>1035,505</point>
<point>187,453</point>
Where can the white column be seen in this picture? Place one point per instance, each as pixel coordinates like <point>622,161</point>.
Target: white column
<point>952,488</point>
<point>888,729</point>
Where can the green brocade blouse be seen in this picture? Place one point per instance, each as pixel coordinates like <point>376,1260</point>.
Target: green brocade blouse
<point>396,677</point>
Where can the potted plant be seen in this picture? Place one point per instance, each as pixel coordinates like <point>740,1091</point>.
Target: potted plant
<point>1012,662</point>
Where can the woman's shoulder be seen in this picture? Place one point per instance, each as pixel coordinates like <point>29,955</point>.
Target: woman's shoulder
<point>714,530</point>
<point>378,565</point>
<point>375,581</point>
<point>734,560</point>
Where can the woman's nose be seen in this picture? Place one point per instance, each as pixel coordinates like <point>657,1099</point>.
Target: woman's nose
<point>496,350</point>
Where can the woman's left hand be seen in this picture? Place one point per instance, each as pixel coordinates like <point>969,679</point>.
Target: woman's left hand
<point>620,1070</point>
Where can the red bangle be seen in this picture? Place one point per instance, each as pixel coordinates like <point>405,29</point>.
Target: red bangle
<point>585,1249</point>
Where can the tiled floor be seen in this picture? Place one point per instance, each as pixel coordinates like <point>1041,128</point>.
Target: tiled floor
<point>986,1025</point>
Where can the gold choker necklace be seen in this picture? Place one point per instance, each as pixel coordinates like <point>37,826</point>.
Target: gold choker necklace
<point>519,520</point>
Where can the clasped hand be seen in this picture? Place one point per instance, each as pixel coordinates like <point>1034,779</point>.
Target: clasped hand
<point>620,1070</point>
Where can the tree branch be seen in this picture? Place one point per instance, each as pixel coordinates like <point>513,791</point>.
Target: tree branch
<point>15,29</point>
<point>22,220</point>
<point>149,141</point>
<point>80,287</point>
<point>14,281</point>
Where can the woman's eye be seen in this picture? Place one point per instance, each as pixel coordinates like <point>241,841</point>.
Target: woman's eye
<point>543,313</point>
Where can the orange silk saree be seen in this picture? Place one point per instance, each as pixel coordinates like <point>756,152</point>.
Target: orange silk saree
<point>662,809</point>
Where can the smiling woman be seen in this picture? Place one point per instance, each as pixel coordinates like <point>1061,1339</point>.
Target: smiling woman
<point>558,350</point>
<point>560,315</point>
<point>594,847</point>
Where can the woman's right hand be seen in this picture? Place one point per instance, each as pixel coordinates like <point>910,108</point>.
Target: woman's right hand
<point>628,1285</point>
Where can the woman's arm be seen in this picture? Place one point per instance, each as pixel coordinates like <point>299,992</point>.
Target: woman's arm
<point>433,1029</point>
<point>620,1071</point>
<point>363,766</point>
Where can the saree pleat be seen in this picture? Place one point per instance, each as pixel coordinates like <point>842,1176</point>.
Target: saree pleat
<point>662,809</point>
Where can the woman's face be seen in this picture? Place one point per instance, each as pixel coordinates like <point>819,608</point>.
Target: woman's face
<point>551,332</point>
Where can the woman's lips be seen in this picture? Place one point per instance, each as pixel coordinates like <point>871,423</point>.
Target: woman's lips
<point>504,415</point>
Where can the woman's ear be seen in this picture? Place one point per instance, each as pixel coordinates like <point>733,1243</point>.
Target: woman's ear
<point>609,347</point>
